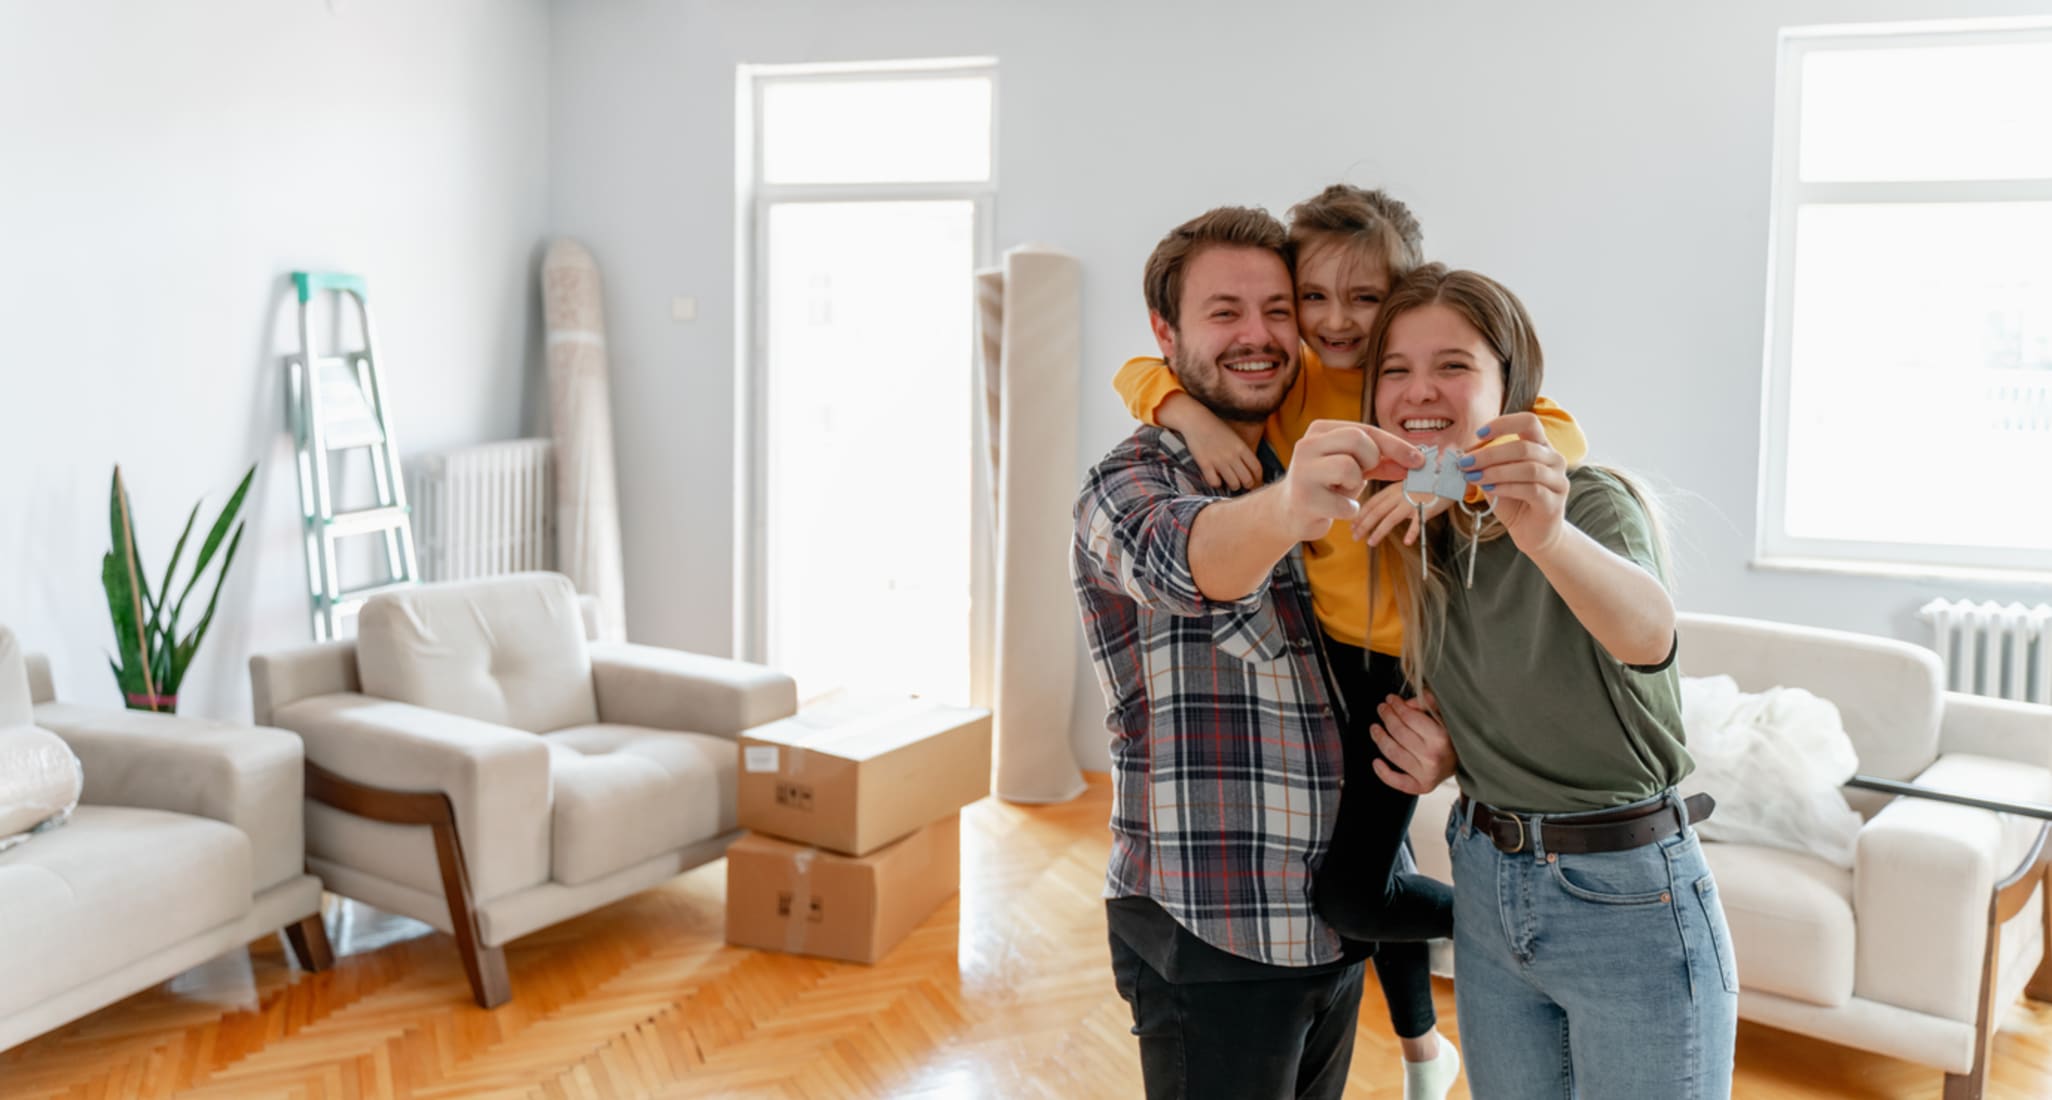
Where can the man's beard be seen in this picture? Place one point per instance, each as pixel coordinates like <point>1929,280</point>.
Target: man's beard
<point>1209,382</point>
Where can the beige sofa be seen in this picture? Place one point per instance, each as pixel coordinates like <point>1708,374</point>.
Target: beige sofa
<point>186,843</point>
<point>475,763</point>
<point>1892,955</point>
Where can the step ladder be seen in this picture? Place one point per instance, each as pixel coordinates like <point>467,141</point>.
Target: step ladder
<point>336,404</point>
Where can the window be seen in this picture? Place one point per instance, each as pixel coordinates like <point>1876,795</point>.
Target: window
<point>1909,374</point>
<point>867,206</point>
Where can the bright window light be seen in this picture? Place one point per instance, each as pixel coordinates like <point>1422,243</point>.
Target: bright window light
<point>1909,399</point>
<point>869,319</point>
<point>876,130</point>
<point>1932,113</point>
<point>869,209</point>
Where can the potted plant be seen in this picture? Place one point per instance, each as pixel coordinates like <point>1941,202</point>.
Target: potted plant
<point>152,658</point>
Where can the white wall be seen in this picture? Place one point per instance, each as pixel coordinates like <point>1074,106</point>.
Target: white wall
<point>1609,160</point>
<point>162,166</point>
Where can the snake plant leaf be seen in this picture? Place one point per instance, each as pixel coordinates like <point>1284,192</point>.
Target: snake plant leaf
<point>213,539</point>
<point>122,519</point>
<point>171,570</point>
<point>121,610</point>
<point>192,641</point>
<point>161,660</point>
<point>129,683</point>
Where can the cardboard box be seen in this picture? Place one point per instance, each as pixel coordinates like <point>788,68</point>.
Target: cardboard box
<point>790,897</point>
<point>855,774</point>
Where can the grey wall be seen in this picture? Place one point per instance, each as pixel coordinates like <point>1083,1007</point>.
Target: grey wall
<point>162,166</point>
<point>165,165</point>
<point>1609,160</point>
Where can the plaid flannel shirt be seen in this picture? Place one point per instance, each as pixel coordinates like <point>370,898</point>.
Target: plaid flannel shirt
<point>1225,745</point>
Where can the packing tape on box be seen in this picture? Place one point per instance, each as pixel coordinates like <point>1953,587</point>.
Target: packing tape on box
<point>801,901</point>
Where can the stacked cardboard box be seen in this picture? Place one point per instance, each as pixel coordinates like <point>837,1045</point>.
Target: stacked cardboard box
<point>852,807</point>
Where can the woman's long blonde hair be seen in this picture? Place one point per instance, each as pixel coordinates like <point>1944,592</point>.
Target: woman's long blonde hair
<point>1418,576</point>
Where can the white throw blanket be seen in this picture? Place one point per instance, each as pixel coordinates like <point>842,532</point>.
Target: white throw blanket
<point>1774,762</point>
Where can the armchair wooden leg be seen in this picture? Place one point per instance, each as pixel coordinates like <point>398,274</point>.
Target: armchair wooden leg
<point>486,969</point>
<point>1968,1085</point>
<point>309,940</point>
<point>2011,895</point>
<point>2040,985</point>
<point>484,966</point>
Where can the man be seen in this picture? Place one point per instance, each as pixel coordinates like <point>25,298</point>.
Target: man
<point>1225,742</point>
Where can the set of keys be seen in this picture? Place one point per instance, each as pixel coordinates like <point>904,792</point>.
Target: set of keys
<point>1441,476</point>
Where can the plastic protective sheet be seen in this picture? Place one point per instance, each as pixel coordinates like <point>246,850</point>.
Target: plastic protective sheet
<point>40,781</point>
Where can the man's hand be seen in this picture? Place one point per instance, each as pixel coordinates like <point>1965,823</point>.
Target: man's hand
<point>1412,739</point>
<point>1330,468</point>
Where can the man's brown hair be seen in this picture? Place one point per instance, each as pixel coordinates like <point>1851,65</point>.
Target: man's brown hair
<point>1230,226</point>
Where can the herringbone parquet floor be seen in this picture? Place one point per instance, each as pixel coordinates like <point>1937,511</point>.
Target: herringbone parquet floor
<point>1004,993</point>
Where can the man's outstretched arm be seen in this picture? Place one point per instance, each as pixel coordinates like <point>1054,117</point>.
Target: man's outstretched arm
<point>1235,543</point>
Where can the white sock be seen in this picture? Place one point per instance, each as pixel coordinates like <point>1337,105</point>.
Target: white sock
<point>1434,1079</point>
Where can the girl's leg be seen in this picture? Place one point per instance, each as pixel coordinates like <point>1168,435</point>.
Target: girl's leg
<point>1404,971</point>
<point>1517,1035</point>
<point>1360,889</point>
<point>1431,1064</point>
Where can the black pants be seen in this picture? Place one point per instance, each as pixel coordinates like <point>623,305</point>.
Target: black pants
<point>1269,1039</point>
<point>1364,889</point>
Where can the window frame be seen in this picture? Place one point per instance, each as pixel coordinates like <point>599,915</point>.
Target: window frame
<point>1775,548</point>
<point>754,199</point>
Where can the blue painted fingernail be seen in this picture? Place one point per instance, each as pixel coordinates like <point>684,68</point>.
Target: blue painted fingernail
<point>1466,461</point>
<point>1473,475</point>
<point>1482,431</point>
<point>1489,488</point>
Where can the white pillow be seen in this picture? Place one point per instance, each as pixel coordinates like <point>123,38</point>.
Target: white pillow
<point>1775,762</point>
<point>40,781</point>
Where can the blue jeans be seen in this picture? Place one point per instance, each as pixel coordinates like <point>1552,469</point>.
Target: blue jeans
<point>1597,976</point>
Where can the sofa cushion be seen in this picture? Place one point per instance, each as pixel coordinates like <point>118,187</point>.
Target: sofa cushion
<point>626,793</point>
<point>507,650</point>
<point>39,782</point>
<point>114,886</point>
<point>1791,920</point>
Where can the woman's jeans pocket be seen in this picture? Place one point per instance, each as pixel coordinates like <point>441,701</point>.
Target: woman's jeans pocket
<point>1639,876</point>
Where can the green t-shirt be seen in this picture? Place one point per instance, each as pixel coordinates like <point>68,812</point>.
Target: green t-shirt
<point>1545,720</point>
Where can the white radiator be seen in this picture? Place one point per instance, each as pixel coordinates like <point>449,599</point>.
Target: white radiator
<point>484,510</point>
<point>2003,650</point>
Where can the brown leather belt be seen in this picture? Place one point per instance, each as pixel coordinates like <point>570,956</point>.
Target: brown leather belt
<point>1584,835</point>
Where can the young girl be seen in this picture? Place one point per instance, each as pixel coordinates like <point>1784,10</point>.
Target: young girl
<point>1591,952</point>
<point>1351,246</point>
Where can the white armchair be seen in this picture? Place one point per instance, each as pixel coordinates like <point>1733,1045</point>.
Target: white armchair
<point>1942,920</point>
<point>552,775</point>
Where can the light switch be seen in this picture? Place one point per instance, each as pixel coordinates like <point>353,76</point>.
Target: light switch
<point>683,309</point>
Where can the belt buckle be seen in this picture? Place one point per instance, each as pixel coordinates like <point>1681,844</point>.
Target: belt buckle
<point>1523,837</point>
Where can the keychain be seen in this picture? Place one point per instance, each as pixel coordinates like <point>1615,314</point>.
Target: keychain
<point>1441,476</point>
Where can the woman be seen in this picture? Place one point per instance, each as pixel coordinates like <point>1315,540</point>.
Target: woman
<point>1592,956</point>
